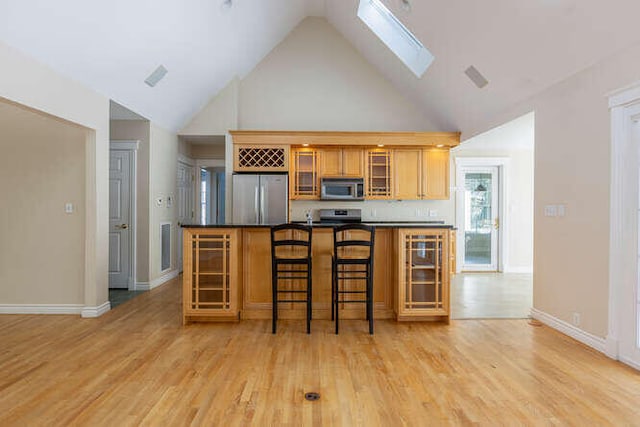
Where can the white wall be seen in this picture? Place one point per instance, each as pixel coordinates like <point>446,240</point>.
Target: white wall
<point>32,84</point>
<point>42,167</point>
<point>572,164</point>
<point>162,184</point>
<point>316,80</point>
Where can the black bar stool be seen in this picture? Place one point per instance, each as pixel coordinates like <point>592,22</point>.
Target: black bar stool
<point>352,261</point>
<point>290,260</point>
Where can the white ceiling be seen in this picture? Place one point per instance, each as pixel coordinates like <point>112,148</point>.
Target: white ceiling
<point>521,47</point>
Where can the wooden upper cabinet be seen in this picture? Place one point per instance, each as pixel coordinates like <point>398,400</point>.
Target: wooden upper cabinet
<point>421,174</point>
<point>331,162</point>
<point>435,174</point>
<point>407,174</point>
<point>352,162</point>
<point>342,162</point>
<point>305,180</point>
<point>378,173</point>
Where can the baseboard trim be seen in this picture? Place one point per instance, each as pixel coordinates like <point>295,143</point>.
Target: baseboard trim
<point>574,332</point>
<point>96,311</point>
<point>631,363</point>
<point>160,280</point>
<point>41,308</point>
<point>142,286</point>
<point>527,270</point>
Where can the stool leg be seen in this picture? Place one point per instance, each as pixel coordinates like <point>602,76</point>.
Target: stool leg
<point>336,294</point>
<point>333,289</point>
<point>309,298</point>
<point>274,297</point>
<point>370,298</point>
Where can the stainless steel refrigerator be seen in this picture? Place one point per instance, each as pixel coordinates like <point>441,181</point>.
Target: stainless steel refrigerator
<point>260,199</point>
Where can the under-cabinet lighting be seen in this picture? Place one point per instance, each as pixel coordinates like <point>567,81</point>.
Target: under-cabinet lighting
<point>380,145</point>
<point>305,145</point>
<point>440,145</point>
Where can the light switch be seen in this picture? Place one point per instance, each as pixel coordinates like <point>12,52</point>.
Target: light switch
<point>159,201</point>
<point>550,210</point>
<point>68,208</point>
<point>561,210</point>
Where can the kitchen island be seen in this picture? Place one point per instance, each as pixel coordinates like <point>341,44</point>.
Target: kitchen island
<point>227,273</point>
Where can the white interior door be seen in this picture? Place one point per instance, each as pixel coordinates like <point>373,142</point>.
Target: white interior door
<point>120,268</point>
<point>186,202</point>
<point>481,225</point>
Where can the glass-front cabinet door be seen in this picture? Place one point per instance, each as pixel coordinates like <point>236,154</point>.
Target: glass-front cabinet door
<point>423,289</point>
<point>378,174</point>
<point>304,165</point>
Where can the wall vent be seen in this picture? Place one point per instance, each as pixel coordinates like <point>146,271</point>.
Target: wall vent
<point>475,76</point>
<point>156,76</point>
<point>165,246</point>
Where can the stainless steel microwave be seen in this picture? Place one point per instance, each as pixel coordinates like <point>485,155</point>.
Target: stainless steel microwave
<point>342,188</point>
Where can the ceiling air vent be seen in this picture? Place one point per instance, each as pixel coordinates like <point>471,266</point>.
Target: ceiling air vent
<point>156,76</point>
<point>475,76</point>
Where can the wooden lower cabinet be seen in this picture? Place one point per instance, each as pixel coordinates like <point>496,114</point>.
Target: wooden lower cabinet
<point>423,274</point>
<point>227,275</point>
<point>256,277</point>
<point>211,272</point>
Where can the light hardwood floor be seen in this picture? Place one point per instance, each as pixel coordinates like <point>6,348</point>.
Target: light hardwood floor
<point>491,295</point>
<point>137,365</point>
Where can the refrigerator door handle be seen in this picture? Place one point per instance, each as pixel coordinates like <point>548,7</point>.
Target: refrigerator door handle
<point>255,205</point>
<point>262,204</point>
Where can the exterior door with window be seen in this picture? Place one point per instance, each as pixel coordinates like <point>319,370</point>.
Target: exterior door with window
<point>481,218</point>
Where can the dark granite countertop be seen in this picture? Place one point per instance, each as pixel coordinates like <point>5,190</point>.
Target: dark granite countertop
<point>381,224</point>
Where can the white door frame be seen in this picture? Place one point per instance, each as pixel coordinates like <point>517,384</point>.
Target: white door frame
<point>131,146</point>
<point>502,163</point>
<point>204,163</point>
<point>624,106</point>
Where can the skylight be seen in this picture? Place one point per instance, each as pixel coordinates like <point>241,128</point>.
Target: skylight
<point>395,35</point>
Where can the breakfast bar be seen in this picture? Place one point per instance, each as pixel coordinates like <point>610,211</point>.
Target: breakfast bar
<point>227,273</point>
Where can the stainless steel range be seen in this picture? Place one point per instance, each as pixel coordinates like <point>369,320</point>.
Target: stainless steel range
<point>340,215</point>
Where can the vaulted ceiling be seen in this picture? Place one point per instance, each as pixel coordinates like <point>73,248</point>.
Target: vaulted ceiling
<point>521,47</point>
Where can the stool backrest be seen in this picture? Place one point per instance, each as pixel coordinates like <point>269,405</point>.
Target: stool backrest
<point>353,241</point>
<point>291,241</point>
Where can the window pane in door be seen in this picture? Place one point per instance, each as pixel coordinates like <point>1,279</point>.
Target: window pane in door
<point>478,218</point>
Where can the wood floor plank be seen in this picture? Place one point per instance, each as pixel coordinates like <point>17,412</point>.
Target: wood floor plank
<point>137,365</point>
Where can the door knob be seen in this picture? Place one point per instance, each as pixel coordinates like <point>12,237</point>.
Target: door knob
<point>122,226</point>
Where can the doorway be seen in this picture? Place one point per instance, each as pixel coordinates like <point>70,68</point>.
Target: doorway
<point>494,174</point>
<point>479,212</point>
<point>481,218</point>
<point>623,337</point>
<point>212,195</point>
<point>186,205</point>
<point>122,197</point>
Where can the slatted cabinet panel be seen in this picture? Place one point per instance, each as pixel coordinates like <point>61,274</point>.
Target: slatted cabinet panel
<point>210,288</point>
<point>423,269</point>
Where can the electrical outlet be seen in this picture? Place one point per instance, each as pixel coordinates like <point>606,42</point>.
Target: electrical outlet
<point>575,318</point>
<point>417,212</point>
<point>373,213</point>
<point>433,213</point>
<point>68,208</point>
